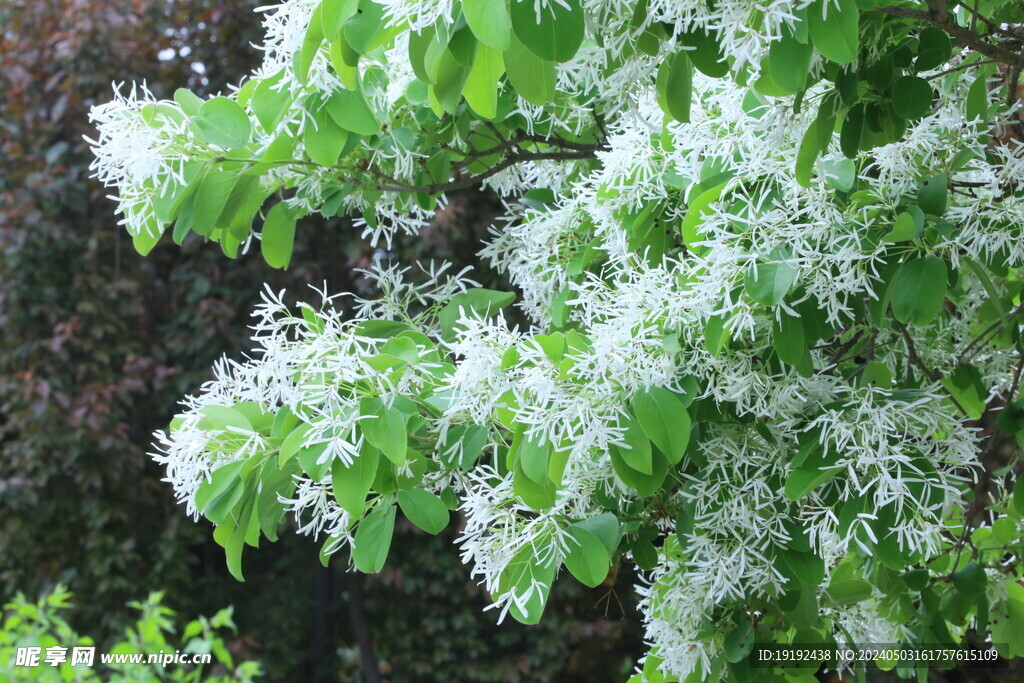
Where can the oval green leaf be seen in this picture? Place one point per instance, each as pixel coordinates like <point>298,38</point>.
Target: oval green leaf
<point>918,290</point>
<point>424,509</point>
<point>278,236</point>
<point>554,33</point>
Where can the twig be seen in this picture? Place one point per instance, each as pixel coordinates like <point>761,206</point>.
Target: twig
<point>980,341</point>
<point>932,375</point>
<point>938,16</point>
<point>468,181</point>
<point>961,67</point>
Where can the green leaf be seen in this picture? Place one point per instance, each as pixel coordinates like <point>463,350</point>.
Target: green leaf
<point>1008,622</point>
<point>554,33</point>
<point>707,55</point>
<point>1018,495</point>
<point>800,482</point>
<point>223,122</point>
<point>715,335</point>
<point>349,110</point>
<point>451,78</point>
<point>934,48</point>
<point>807,155</point>
<point>695,213</point>
<point>334,14</point>
<point>852,131</point>
<point>533,458</point>
<point>637,452</point>
<point>269,103</point>
<point>224,418</point>
<point>876,373</point>
<point>849,591</point>
<point>233,547</point>
<point>789,62</point>
<point>278,236</point>
<point>967,386</point>
<point>903,229</point>
<point>189,102</point>
<point>739,641</point>
<point>384,428</point>
<point>419,43</point>
<point>806,567</point>
<point>803,612</point>
<point>918,290</point>
<point>645,555</point>
<point>372,541</point>
<point>274,483</point>
<point>362,31</point>
<point>664,420</point>
<point>788,339</point>
<point>675,86</point>
<point>312,462</point>
<point>532,77</point>
<point>970,581</point>
<point>811,470</point>
<point>976,107</point>
<point>933,194</point>
<point>475,303</point>
<point>311,42</point>
<point>424,509</point>
<point>481,86</point>
<point>167,204</point>
<point>489,21</point>
<point>221,481</point>
<point>768,283</point>
<point>912,97</point>
<point>352,484</point>
<point>588,558</point>
<point>324,139</point>
<point>840,173</point>
<point>536,495</point>
<point>280,149</point>
<point>832,25</point>
<point>527,574</point>
<point>295,440</point>
<point>644,484</point>
<point>146,240</point>
<point>605,527</point>
<point>887,549</point>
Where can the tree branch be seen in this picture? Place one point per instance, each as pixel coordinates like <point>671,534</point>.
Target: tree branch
<point>938,16</point>
<point>932,375</point>
<point>469,181</point>
<point>982,339</point>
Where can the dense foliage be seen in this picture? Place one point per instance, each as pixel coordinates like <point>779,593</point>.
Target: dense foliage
<point>769,256</point>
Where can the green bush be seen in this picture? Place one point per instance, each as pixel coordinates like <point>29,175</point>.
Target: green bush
<point>42,624</point>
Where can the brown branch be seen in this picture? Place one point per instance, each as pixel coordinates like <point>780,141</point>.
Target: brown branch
<point>983,339</point>
<point>932,375</point>
<point>468,181</point>
<point>961,67</point>
<point>1016,378</point>
<point>994,26</point>
<point>938,16</point>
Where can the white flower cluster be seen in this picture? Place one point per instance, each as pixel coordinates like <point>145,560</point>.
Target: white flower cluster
<point>141,148</point>
<point>315,365</point>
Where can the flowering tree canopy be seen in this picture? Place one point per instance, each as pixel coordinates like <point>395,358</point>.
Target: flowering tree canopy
<point>771,258</point>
